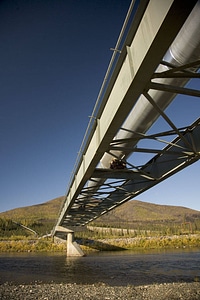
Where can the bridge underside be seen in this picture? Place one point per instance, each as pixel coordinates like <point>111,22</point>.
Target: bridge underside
<point>139,72</point>
<point>121,185</point>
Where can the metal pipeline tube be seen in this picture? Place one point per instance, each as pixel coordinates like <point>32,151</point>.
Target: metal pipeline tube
<point>185,49</point>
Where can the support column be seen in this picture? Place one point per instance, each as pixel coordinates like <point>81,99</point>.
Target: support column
<point>73,249</point>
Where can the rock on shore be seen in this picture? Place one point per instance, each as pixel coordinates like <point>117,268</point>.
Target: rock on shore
<point>100,291</point>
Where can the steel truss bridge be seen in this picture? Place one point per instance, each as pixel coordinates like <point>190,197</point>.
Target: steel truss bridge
<point>159,56</point>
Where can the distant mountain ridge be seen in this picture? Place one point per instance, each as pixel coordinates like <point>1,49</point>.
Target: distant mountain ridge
<point>131,212</point>
<point>138,211</point>
<point>45,211</point>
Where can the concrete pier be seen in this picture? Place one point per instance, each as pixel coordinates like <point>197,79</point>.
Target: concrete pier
<point>73,249</point>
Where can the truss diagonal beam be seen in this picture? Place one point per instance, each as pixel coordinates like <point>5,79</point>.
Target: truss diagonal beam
<point>131,79</point>
<point>173,89</point>
<point>134,182</point>
<point>179,72</point>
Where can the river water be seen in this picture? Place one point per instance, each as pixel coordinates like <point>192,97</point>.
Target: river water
<point>113,268</point>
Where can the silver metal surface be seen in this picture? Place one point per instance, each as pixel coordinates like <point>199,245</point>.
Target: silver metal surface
<point>154,65</point>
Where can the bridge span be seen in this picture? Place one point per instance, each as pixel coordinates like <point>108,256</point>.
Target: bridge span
<point>150,67</point>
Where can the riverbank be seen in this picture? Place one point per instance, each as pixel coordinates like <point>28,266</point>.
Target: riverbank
<point>100,291</point>
<point>188,241</point>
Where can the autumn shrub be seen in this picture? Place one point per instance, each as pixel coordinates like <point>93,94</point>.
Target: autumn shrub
<point>40,245</point>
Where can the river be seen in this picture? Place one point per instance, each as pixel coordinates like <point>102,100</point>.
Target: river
<point>113,268</point>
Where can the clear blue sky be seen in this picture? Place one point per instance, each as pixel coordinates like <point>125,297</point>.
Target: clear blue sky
<point>54,55</point>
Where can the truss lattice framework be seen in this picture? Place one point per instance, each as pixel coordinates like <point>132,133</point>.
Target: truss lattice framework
<point>93,191</point>
<point>119,186</point>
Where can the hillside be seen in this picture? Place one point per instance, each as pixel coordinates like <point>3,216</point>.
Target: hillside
<point>35,213</point>
<point>129,214</point>
<point>40,218</point>
<point>138,211</point>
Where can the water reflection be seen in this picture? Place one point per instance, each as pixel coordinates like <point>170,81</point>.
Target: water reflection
<point>113,268</point>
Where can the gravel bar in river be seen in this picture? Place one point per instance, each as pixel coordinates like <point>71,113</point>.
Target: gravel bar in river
<point>100,291</point>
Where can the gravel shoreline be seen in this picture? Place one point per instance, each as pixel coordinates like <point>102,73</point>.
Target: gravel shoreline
<point>100,291</point>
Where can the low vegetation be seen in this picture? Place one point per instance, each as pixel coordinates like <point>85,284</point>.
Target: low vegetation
<point>134,225</point>
<point>30,245</point>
